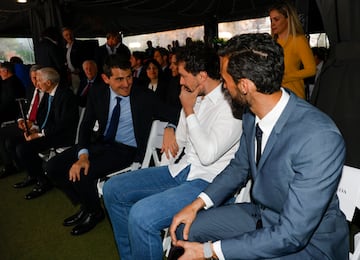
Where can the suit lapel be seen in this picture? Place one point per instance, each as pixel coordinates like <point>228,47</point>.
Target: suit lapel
<point>278,127</point>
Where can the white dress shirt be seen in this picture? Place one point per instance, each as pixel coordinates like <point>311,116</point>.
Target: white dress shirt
<point>210,136</point>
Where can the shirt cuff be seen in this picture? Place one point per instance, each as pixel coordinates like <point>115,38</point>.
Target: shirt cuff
<point>170,125</point>
<point>83,151</point>
<point>217,250</point>
<point>208,202</point>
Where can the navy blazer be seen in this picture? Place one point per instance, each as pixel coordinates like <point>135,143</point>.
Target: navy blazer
<point>63,118</point>
<point>145,107</point>
<point>294,186</point>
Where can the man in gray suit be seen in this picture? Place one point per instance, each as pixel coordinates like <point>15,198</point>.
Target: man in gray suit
<point>294,212</point>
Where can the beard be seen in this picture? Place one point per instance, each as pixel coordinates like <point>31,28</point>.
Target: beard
<point>236,103</point>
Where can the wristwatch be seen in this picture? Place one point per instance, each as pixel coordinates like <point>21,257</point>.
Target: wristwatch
<point>207,250</point>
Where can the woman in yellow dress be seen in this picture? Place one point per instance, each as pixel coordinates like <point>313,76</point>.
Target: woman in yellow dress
<point>298,58</point>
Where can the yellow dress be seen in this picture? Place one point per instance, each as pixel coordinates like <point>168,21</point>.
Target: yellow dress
<point>299,63</point>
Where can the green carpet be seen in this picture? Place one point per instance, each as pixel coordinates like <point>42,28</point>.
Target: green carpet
<point>33,230</point>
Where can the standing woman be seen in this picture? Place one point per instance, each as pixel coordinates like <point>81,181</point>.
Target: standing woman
<point>298,58</point>
<point>155,80</point>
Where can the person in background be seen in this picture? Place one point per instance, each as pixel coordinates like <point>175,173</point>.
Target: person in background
<point>161,55</point>
<point>320,54</point>
<point>155,79</point>
<point>113,45</point>
<point>13,134</point>
<point>11,88</point>
<point>294,155</point>
<point>288,32</point>
<point>137,64</point>
<point>58,129</point>
<point>149,51</point>
<point>49,53</point>
<point>74,58</point>
<point>92,79</point>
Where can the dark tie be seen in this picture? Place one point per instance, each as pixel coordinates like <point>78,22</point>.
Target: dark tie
<point>86,89</point>
<point>258,136</point>
<point>50,99</point>
<point>114,121</point>
<point>34,108</point>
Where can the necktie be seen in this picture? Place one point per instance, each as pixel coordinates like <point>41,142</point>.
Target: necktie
<point>50,99</point>
<point>86,89</point>
<point>34,108</point>
<point>258,136</point>
<point>114,121</point>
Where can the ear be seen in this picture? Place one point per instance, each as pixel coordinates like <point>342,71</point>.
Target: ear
<point>242,85</point>
<point>105,78</point>
<point>203,75</point>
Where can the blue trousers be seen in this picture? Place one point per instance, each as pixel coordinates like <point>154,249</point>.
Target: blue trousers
<point>142,203</point>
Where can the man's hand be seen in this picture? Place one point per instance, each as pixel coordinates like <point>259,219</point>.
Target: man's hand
<point>31,136</point>
<point>21,124</point>
<point>169,143</point>
<point>186,216</point>
<point>75,170</point>
<point>188,99</point>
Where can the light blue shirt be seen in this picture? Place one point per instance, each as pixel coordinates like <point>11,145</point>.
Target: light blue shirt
<point>125,131</point>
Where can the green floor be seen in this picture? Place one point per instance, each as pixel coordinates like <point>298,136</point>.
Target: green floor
<point>32,230</point>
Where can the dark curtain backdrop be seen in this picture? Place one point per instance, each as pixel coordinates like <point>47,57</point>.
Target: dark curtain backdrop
<point>44,14</point>
<point>337,92</point>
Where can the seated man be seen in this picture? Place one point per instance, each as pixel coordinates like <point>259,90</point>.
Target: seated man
<point>92,79</point>
<point>142,203</point>
<point>11,88</point>
<point>124,112</point>
<point>294,213</point>
<point>58,129</point>
<point>13,134</point>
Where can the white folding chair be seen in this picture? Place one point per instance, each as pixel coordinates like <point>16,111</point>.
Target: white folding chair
<point>154,142</point>
<point>349,198</point>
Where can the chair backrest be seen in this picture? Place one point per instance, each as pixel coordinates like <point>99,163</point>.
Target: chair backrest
<point>349,191</point>
<point>154,142</point>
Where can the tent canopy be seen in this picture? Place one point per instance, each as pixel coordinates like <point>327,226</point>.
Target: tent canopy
<point>96,17</point>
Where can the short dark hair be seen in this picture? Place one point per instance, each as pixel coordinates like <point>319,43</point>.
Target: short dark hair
<point>9,66</point>
<point>257,57</point>
<point>199,57</point>
<point>115,61</point>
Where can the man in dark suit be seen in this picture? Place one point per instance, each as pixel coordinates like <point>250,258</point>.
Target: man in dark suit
<point>13,134</point>
<point>11,89</point>
<point>75,55</point>
<point>294,212</point>
<point>113,45</point>
<point>115,146</point>
<point>92,79</point>
<point>58,129</point>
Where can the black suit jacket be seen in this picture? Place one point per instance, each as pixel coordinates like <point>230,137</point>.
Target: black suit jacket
<point>145,107</point>
<point>10,90</point>
<point>77,55</point>
<point>83,83</point>
<point>63,118</point>
<point>101,53</point>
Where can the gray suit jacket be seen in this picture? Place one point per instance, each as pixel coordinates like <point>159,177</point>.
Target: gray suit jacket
<point>294,187</point>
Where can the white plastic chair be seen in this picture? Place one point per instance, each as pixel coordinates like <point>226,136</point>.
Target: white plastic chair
<point>154,142</point>
<point>349,198</point>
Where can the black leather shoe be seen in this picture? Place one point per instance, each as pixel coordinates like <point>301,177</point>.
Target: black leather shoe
<point>76,218</point>
<point>26,182</point>
<point>6,171</point>
<point>89,222</point>
<point>38,190</point>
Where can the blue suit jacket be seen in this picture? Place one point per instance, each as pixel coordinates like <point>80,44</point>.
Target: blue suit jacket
<point>294,187</point>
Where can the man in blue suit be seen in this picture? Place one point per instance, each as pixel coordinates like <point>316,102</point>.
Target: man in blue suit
<point>294,212</point>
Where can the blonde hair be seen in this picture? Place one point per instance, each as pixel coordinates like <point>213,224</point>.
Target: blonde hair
<point>288,11</point>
